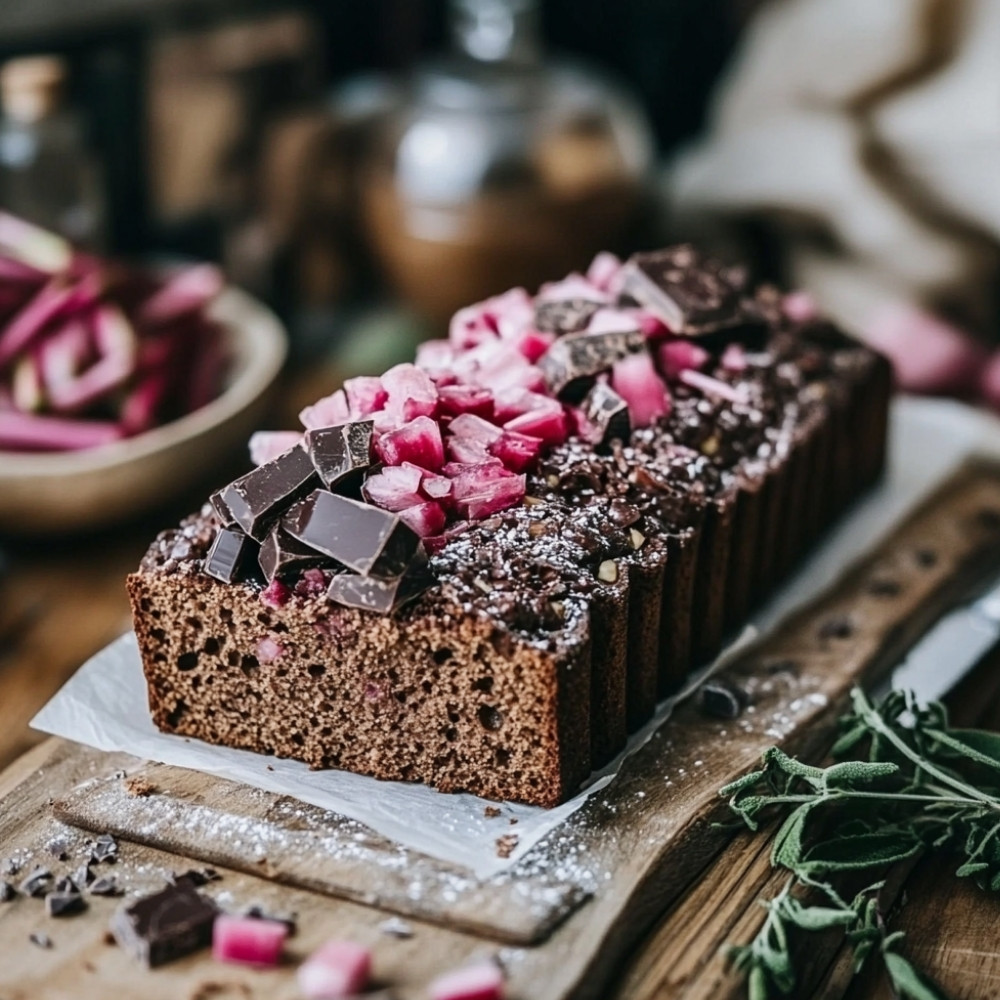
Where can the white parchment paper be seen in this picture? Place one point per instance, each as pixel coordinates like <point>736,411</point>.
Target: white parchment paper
<point>104,704</point>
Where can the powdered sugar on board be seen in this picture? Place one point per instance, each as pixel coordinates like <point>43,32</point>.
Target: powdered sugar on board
<point>104,704</point>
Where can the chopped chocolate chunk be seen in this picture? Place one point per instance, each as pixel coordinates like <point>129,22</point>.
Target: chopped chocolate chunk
<point>340,454</point>
<point>258,913</point>
<point>364,538</point>
<point>608,412</point>
<point>83,875</point>
<point>167,925</point>
<point>42,940</point>
<point>195,877</point>
<point>7,892</point>
<point>691,293</point>
<point>57,848</point>
<point>38,883</point>
<point>64,904</point>
<point>257,498</point>
<point>281,554</point>
<point>568,316</point>
<point>66,884</point>
<point>372,594</point>
<point>573,359</point>
<point>229,555</point>
<point>491,812</point>
<point>221,508</point>
<point>722,699</point>
<point>105,849</point>
<point>106,885</point>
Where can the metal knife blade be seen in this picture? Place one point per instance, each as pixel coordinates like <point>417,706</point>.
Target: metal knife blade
<point>950,649</point>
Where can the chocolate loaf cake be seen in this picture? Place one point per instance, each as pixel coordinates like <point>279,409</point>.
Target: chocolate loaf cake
<point>484,570</point>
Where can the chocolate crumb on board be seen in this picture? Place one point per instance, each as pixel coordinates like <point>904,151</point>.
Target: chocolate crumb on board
<point>490,812</point>
<point>106,885</point>
<point>64,904</point>
<point>7,892</point>
<point>195,877</point>
<point>513,821</point>
<point>42,940</point>
<point>139,788</point>
<point>506,844</point>
<point>38,883</point>
<point>105,849</point>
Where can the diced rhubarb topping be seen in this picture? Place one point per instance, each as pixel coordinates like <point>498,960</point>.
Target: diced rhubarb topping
<point>604,272</point>
<point>483,981</point>
<point>365,395</point>
<point>573,286</point>
<point>395,487</point>
<point>435,356</point>
<point>635,380</point>
<point>326,412</point>
<point>513,402</point>
<point>418,441</point>
<point>275,594</point>
<point>265,446</point>
<point>455,400</point>
<point>676,356</point>
<point>425,519</point>
<point>411,392</point>
<point>548,425</point>
<point>485,489</point>
<point>338,969</point>
<point>734,358</point>
<point>713,386</point>
<point>517,451</point>
<point>248,940</point>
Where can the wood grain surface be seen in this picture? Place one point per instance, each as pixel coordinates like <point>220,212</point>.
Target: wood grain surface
<point>640,849</point>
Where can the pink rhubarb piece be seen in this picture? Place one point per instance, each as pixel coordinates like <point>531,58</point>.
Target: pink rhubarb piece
<point>265,446</point>
<point>418,441</point>
<point>636,381</point>
<point>338,969</point>
<point>483,981</point>
<point>247,940</point>
<point>365,395</point>
<point>326,412</point>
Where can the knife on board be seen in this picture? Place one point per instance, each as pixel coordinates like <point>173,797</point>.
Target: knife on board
<point>952,647</point>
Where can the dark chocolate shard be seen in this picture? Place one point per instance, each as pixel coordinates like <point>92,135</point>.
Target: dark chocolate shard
<point>195,877</point>
<point>282,554</point>
<point>340,454</point>
<point>106,885</point>
<point>105,849</point>
<point>366,539</point>
<point>693,294</point>
<point>38,883</point>
<point>222,509</point>
<point>83,875</point>
<point>372,594</point>
<point>40,939</point>
<point>230,554</point>
<point>165,926</point>
<point>566,316</point>
<point>575,358</point>
<point>66,884</point>
<point>258,498</point>
<point>64,904</point>
<point>608,412</point>
<point>7,892</point>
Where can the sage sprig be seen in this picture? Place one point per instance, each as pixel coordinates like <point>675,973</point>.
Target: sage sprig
<point>905,783</point>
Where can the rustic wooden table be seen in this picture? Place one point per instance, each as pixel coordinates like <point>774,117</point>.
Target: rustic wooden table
<point>61,602</point>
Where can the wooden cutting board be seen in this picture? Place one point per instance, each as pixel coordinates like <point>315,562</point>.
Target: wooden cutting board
<point>571,908</point>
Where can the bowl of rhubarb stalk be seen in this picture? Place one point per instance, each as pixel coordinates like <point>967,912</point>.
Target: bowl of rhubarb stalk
<point>119,386</point>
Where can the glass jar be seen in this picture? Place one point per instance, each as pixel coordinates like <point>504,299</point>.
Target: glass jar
<point>498,169</point>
